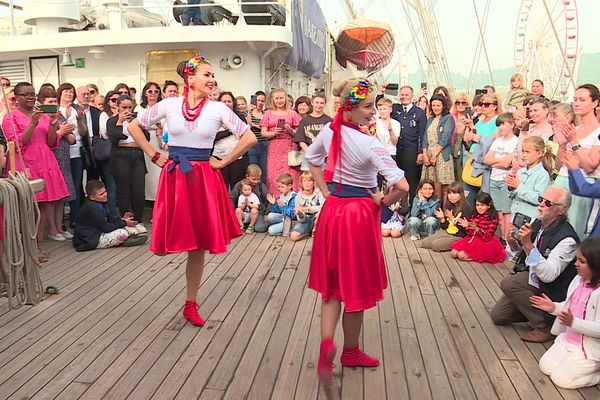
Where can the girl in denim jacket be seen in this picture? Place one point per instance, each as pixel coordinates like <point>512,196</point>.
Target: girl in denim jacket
<point>422,216</point>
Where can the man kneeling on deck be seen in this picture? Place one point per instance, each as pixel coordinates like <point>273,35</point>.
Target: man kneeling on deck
<point>545,264</point>
<point>97,229</point>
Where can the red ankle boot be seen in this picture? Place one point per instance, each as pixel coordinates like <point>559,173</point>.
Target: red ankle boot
<point>190,312</point>
<point>354,357</point>
<point>326,355</point>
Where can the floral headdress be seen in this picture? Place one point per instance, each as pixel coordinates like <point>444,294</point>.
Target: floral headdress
<point>192,64</point>
<point>357,94</point>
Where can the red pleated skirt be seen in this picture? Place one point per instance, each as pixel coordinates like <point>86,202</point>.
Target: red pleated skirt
<point>192,211</point>
<point>480,251</point>
<point>347,262</point>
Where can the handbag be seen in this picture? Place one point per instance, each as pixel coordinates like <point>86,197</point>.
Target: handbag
<point>295,158</point>
<point>102,149</point>
<point>86,157</point>
<point>467,172</point>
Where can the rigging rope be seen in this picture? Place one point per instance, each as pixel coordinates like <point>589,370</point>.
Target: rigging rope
<point>477,55</point>
<point>483,44</point>
<point>21,217</point>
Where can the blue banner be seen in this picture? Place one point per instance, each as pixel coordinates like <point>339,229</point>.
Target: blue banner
<point>309,38</point>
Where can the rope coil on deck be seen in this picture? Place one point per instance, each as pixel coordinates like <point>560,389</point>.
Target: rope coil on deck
<point>21,218</point>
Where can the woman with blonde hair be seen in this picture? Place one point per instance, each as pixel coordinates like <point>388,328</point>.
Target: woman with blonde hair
<point>345,267</point>
<point>459,112</point>
<point>278,125</point>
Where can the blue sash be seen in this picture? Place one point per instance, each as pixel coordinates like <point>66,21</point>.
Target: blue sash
<point>183,156</point>
<point>343,190</point>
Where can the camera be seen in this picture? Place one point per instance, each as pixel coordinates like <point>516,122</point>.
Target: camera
<point>132,116</point>
<point>518,221</point>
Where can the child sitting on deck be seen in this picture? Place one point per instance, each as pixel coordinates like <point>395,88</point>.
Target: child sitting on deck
<point>573,361</point>
<point>282,213</point>
<point>97,229</point>
<point>247,206</point>
<point>253,175</point>
<point>308,204</point>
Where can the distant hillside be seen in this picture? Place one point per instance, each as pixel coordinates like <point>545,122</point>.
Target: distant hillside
<point>589,71</point>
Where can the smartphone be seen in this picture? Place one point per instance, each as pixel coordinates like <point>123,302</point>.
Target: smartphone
<point>480,91</point>
<point>423,85</point>
<point>281,123</point>
<point>392,87</point>
<point>518,221</point>
<point>253,99</point>
<point>49,108</point>
<point>469,111</point>
<point>132,116</point>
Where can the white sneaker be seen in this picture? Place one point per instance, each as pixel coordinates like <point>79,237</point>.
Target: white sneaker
<point>412,237</point>
<point>67,235</point>
<point>58,237</point>
<point>141,229</point>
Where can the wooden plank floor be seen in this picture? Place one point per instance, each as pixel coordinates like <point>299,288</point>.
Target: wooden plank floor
<point>115,330</point>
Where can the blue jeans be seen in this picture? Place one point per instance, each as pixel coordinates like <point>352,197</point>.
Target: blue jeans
<point>258,155</point>
<point>193,15</point>
<point>111,187</point>
<point>77,174</point>
<point>276,224</point>
<point>416,225</point>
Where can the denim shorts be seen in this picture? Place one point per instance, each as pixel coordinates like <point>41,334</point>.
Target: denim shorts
<point>500,196</point>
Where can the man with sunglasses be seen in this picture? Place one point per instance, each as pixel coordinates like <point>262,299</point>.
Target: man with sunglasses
<point>545,264</point>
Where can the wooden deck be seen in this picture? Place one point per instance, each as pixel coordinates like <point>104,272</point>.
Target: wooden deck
<point>115,331</point>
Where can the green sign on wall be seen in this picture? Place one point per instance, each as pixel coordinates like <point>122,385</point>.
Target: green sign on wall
<point>80,62</point>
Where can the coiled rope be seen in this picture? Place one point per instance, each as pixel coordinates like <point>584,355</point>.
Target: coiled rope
<point>21,217</point>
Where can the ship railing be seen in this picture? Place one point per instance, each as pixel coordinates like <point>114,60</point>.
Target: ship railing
<point>226,12</point>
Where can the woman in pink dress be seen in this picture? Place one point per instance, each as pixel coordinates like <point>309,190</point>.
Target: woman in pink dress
<point>346,266</point>
<point>278,125</point>
<point>36,134</point>
<point>192,212</point>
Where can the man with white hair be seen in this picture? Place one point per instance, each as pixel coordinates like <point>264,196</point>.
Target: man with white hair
<point>546,264</point>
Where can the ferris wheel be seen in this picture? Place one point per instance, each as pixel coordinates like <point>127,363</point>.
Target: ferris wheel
<point>547,44</point>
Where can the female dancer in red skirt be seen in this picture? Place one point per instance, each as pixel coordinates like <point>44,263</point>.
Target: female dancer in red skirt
<point>347,267</point>
<point>192,211</point>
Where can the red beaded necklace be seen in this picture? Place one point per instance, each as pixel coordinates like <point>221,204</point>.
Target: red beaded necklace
<point>191,113</point>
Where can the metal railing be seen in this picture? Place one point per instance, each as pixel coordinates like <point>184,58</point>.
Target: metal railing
<point>214,12</point>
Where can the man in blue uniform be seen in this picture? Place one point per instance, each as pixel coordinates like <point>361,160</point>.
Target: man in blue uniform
<point>409,150</point>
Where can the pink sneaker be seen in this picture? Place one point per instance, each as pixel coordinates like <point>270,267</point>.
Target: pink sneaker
<point>326,355</point>
<point>190,312</point>
<point>354,357</point>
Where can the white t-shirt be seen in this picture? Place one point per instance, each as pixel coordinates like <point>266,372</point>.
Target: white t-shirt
<point>384,135</point>
<point>363,156</point>
<point>74,149</point>
<point>201,132</point>
<point>586,143</point>
<point>501,148</point>
<point>253,199</point>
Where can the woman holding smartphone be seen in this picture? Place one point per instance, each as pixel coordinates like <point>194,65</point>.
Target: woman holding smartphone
<point>127,163</point>
<point>278,125</point>
<point>35,133</point>
<point>258,153</point>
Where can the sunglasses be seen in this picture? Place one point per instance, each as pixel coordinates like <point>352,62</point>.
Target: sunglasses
<point>461,103</point>
<point>487,104</point>
<point>92,91</point>
<point>547,202</point>
<point>113,99</point>
<point>153,91</point>
<point>5,84</point>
